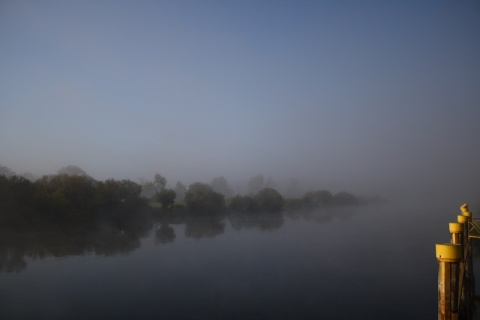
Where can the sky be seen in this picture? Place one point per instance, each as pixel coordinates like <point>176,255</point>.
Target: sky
<point>363,96</point>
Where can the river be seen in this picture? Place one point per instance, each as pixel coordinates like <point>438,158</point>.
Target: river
<point>369,262</point>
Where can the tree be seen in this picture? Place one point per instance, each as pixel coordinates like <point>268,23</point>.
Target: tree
<point>180,190</point>
<point>255,184</point>
<point>150,189</point>
<point>200,197</point>
<point>220,185</point>
<point>113,193</point>
<point>72,170</point>
<point>6,171</point>
<point>160,182</point>
<point>270,200</point>
<point>243,204</point>
<point>30,176</point>
<point>166,197</point>
<point>15,193</point>
<point>66,197</point>
<point>345,199</point>
<point>317,198</point>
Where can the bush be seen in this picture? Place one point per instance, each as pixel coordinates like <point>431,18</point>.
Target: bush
<point>200,197</point>
<point>345,199</point>
<point>243,204</point>
<point>270,200</point>
<point>166,197</point>
<point>315,199</point>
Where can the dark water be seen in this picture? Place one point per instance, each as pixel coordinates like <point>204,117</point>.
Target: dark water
<point>375,262</point>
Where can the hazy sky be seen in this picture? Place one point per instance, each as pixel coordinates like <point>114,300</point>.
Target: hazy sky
<point>366,94</point>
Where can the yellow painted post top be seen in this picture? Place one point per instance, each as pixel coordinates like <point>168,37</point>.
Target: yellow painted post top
<point>448,252</point>
<point>464,209</point>
<point>462,219</point>
<point>455,227</point>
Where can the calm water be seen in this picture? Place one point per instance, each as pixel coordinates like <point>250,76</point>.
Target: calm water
<point>375,262</point>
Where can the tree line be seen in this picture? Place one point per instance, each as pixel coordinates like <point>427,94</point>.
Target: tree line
<point>73,196</point>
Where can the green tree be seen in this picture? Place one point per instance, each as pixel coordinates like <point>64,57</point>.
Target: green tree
<point>166,197</point>
<point>150,189</point>
<point>220,185</point>
<point>160,182</point>
<point>15,193</point>
<point>243,204</point>
<point>65,197</point>
<point>200,197</point>
<point>270,200</point>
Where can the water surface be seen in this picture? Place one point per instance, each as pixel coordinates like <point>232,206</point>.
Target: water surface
<point>373,262</point>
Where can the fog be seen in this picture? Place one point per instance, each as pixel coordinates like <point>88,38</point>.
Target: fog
<point>374,99</point>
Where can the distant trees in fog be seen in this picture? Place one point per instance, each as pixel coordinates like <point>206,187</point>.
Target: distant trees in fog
<point>201,197</point>
<point>150,189</point>
<point>6,171</point>
<point>67,198</point>
<point>220,185</point>
<point>166,197</point>
<point>180,190</point>
<point>72,170</point>
<point>72,195</point>
<point>258,182</point>
<point>270,200</point>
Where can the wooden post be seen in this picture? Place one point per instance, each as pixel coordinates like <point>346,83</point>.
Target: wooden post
<point>448,256</point>
<point>456,231</point>
<point>468,292</point>
<point>463,301</point>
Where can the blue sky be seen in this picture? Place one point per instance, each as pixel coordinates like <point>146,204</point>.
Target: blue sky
<point>350,94</point>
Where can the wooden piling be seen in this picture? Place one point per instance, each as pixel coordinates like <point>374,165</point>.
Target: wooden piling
<point>456,231</point>
<point>456,282</point>
<point>463,301</point>
<point>448,256</point>
<point>468,289</point>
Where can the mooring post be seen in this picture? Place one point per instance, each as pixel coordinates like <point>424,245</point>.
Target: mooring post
<point>448,256</point>
<point>456,231</point>
<point>463,301</point>
<point>468,292</point>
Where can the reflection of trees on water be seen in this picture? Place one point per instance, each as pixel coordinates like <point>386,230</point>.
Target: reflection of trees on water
<point>263,221</point>
<point>17,243</point>
<point>204,227</point>
<point>322,215</point>
<point>12,261</point>
<point>165,234</point>
<point>121,234</point>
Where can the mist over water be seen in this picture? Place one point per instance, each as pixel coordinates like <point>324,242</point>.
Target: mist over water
<point>373,99</point>
<point>340,264</point>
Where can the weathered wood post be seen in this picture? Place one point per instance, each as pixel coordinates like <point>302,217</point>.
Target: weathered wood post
<point>456,231</point>
<point>448,256</point>
<point>462,289</point>
<point>468,290</point>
